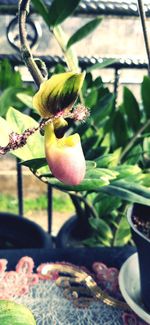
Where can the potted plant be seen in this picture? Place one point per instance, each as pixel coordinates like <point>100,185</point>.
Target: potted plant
<point>103,212</point>
<point>139,220</point>
<point>110,159</point>
<point>112,168</point>
<point>139,214</point>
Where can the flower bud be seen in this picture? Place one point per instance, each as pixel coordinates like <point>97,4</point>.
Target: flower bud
<point>58,93</point>
<point>64,156</point>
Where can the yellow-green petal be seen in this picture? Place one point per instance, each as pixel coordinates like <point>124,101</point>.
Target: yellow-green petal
<point>58,93</point>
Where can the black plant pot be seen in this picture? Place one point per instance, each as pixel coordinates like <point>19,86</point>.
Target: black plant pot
<point>19,232</point>
<point>72,233</point>
<point>143,248</point>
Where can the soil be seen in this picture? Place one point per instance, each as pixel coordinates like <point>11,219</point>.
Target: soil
<point>142,225</point>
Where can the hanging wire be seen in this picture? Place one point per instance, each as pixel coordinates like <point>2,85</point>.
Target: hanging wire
<point>143,22</point>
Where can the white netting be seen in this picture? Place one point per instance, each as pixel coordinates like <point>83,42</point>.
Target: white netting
<point>50,307</point>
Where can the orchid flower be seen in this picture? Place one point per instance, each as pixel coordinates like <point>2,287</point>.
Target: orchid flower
<point>54,101</point>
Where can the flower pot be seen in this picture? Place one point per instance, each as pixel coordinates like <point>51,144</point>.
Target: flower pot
<point>72,233</point>
<point>143,247</point>
<point>19,232</point>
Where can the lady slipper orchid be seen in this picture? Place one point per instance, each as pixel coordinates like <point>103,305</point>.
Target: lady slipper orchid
<point>58,93</point>
<point>64,156</point>
<point>54,101</point>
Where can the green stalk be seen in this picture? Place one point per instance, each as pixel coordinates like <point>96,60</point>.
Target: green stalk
<point>144,29</point>
<point>70,56</point>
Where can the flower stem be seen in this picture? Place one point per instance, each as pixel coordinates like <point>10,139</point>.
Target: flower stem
<point>71,58</point>
<point>23,10</point>
<point>143,19</point>
<point>92,211</point>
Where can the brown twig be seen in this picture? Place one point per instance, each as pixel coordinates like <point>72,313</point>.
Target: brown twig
<point>17,141</point>
<point>23,10</point>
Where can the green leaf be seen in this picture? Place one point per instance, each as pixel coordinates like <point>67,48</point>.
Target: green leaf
<point>128,192</point>
<point>7,99</point>
<point>109,160</point>
<point>4,132</point>
<point>96,152</point>
<point>88,184</point>
<point>60,10</point>
<point>102,173</point>
<point>120,129</point>
<point>123,233</point>
<point>82,128</point>
<point>146,180</point>
<point>104,241</point>
<point>146,147</point>
<point>91,98</point>
<point>89,142</point>
<point>130,173</point>
<point>9,77</point>
<point>84,31</point>
<point>105,204</point>
<point>59,68</point>
<point>25,99</point>
<point>135,188</point>
<point>35,163</point>
<point>145,90</point>
<point>88,80</point>
<point>96,241</point>
<point>94,179</point>
<point>101,227</point>
<point>90,164</point>
<point>42,9</point>
<point>101,65</point>
<point>103,108</point>
<point>132,109</point>
<point>98,83</point>
<point>106,142</point>
<point>19,122</point>
<point>135,155</point>
<point>126,170</point>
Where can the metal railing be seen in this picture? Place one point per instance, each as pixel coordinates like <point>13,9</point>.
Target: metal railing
<point>88,7</point>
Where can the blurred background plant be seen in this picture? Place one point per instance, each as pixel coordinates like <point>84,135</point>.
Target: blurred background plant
<point>115,139</point>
